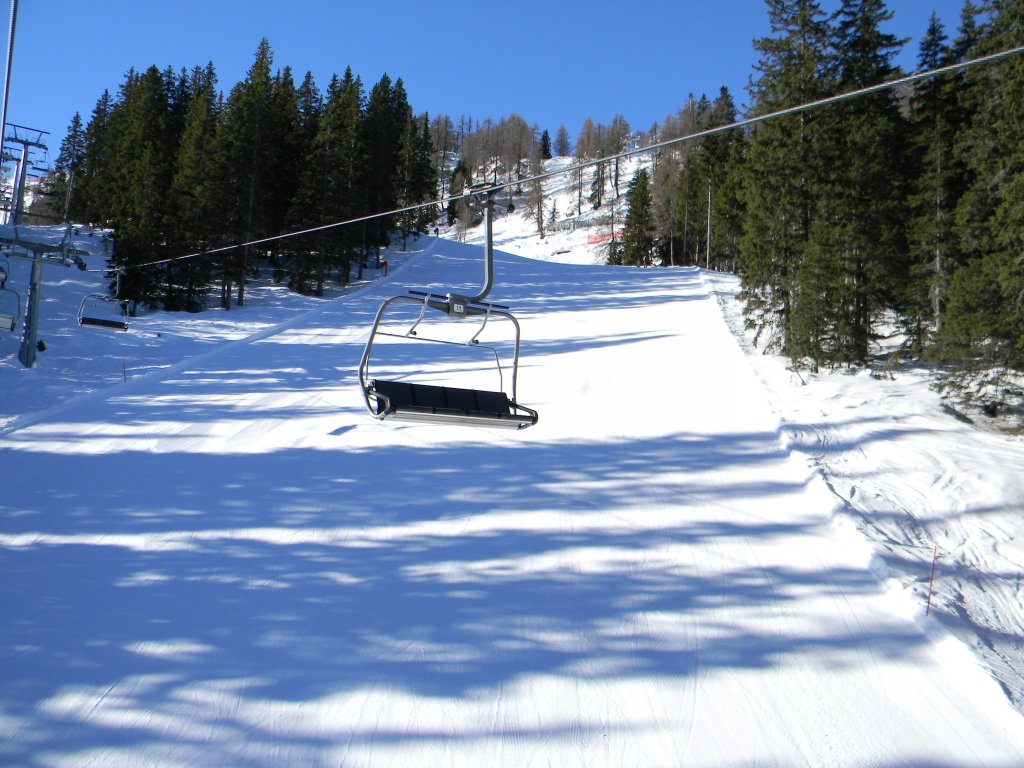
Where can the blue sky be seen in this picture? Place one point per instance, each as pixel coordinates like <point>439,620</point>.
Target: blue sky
<point>550,62</point>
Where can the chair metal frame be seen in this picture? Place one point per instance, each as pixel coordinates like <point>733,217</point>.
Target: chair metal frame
<point>94,320</point>
<point>430,403</point>
<point>415,402</point>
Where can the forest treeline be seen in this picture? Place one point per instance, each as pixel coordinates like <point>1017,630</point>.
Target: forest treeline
<point>175,167</point>
<point>898,212</point>
<point>895,212</point>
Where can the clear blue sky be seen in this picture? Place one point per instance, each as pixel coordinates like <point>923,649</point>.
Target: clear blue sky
<point>550,62</point>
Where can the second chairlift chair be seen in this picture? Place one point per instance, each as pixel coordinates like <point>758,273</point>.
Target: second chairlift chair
<point>10,301</point>
<point>99,310</point>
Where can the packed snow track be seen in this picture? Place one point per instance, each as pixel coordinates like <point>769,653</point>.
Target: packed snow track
<point>229,562</point>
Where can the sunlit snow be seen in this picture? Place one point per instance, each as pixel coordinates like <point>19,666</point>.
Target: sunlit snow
<point>213,555</point>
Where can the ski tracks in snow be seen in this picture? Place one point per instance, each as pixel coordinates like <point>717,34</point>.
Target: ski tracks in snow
<point>651,576</point>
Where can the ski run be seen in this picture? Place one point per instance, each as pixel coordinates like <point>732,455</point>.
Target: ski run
<point>213,555</point>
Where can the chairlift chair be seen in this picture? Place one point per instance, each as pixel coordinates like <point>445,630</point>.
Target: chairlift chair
<point>10,309</point>
<point>10,301</point>
<point>98,311</point>
<point>101,311</point>
<point>417,402</point>
<point>426,402</point>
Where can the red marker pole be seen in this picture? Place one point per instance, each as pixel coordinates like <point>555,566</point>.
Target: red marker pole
<point>931,581</point>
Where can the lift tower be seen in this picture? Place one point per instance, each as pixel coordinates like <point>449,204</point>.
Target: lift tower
<point>28,138</point>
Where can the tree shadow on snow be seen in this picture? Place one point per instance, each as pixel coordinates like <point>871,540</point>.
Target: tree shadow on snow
<point>145,589</point>
<point>303,574</point>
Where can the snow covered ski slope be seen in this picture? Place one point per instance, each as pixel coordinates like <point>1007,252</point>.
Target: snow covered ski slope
<point>229,562</point>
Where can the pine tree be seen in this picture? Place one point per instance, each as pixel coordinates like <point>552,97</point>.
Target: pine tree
<point>90,203</point>
<point>69,168</point>
<point>192,200</point>
<point>938,181</point>
<point>785,156</point>
<point>664,176</point>
<point>423,186</point>
<point>673,187</point>
<point>244,150</point>
<point>141,166</point>
<point>418,178</point>
<point>984,323</point>
<point>685,216</point>
<point>385,120</point>
<point>344,121</point>
<point>536,195</point>
<point>726,152</point>
<point>310,105</point>
<point>638,231</point>
<point>291,121</point>
<point>298,259</point>
<point>545,145</point>
<point>328,191</point>
<point>711,177</point>
<point>862,194</point>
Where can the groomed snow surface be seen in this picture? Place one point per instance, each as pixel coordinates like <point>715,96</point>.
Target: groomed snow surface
<point>213,555</point>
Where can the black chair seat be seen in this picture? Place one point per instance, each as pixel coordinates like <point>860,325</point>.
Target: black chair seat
<point>104,322</point>
<point>428,402</point>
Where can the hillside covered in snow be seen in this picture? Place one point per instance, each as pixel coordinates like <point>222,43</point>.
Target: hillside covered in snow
<point>213,554</point>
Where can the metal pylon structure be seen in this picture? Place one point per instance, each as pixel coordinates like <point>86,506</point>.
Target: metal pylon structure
<point>28,138</point>
<point>7,76</point>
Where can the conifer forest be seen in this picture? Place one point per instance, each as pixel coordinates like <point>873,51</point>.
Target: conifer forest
<point>898,213</point>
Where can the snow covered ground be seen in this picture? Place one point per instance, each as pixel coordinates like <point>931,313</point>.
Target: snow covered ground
<point>915,477</point>
<point>213,555</point>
